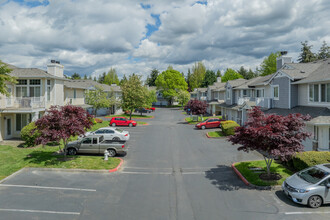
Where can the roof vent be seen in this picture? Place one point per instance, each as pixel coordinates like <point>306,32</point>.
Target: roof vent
<point>302,71</point>
<point>52,61</point>
<point>58,62</point>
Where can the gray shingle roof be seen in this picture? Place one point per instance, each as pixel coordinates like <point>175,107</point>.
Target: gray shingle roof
<point>261,81</point>
<point>236,82</point>
<point>85,84</point>
<point>312,111</point>
<point>247,84</point>
<point>301,70</point>
<point>320,74</point>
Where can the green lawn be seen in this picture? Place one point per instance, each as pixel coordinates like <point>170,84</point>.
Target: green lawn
<point>216,134</point>
<point>190,121</point>
<point>13,159</point>
<point>133,116</point>
<point>254,177</point>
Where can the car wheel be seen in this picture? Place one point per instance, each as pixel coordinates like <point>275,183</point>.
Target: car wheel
<point>315,201</point>
<point>116,139</point>
<point>113,124</point>
<point>112,152</point>
<point>130,125</point>
<point>72,151</point>
<point>203,127</point>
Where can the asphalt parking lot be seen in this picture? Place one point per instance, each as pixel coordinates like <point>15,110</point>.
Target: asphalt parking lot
<point>171,171</point>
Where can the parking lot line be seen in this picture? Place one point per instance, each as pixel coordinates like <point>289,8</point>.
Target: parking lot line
<point>40,211</point>
<point>302,213</point>
<point>47,187</point>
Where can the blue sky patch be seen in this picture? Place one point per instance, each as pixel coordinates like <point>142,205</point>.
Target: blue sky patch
<point>153,27</point>
<point>145,6</point>
<point>201,2</point>
<point>31,3</point>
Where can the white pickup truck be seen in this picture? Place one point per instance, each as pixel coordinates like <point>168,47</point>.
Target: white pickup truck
<point>95,144</point>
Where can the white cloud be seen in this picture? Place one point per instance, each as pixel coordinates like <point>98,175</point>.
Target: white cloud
<point>91,36</point>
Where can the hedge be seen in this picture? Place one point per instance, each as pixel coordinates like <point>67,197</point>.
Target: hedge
<point>306,159</point>
<point>228,127</point>
<point>29,134</point>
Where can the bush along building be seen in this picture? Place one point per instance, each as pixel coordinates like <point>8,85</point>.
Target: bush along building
<point>36,90</point>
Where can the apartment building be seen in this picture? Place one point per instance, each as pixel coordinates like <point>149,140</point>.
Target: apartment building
<point>36,90</point>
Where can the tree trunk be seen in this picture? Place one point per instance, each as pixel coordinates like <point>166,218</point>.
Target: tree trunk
<point>130,115</point>
<point>268,163</point>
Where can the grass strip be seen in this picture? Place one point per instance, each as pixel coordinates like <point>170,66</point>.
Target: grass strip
<point>215,134</point>
<point>253,177</point>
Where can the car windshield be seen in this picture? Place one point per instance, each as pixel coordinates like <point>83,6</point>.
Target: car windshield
<point>205,120</point>
<point>312,175</point>
<point>119,130</point>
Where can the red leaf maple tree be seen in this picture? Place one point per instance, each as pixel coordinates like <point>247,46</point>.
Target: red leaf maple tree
<point>275,136</point>
<point>61,123</point>
<point>196,107</point>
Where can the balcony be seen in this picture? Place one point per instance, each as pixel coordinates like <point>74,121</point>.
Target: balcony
<point>242,100</point>
<point>25,103</point>
<point>203,98</point>
<point>264,102</point>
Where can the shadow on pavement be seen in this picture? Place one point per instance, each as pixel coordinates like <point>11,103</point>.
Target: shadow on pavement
<point>225,179</point>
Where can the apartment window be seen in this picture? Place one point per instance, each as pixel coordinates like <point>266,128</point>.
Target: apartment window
<point>245,93</point>
<point>35,91</point>
<point>35,82</point>
<point>22,120</point>
<point>74,93</point>
<point>21,91</point>
<point>259,93</point>
<point>319,92</point>
<point>276,92</point>
<point>228,94</point>
<point>21,82</point>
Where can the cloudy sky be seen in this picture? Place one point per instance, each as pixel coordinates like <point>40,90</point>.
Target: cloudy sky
<point>90,36</point>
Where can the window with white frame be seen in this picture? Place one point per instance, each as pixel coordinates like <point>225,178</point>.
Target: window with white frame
<point>48,89</point>
<point>276,92</point>
<point>22,120</point>
<point>228,93</point>
<point>259,93</point>
<point>319,92</point>
<point>28,88</point>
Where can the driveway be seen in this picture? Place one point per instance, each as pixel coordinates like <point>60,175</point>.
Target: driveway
<point>171,171</point>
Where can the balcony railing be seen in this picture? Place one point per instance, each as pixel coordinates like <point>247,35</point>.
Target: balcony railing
<point>203,98</point>
<point>26,102</point>
<point>242,100</point>
<point>264,102</point>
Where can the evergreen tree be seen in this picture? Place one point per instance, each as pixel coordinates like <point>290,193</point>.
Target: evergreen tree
<point>188,79</point>
<point>152,78</point>
<point>90,77</point>
<point>85,76</point>
<point>219,73</point>
<point>324,51</point>
<point>101,78</point>
<point>123,80</point>
<point>306,54</point>
<point>76,76</point>
<point>95,79</point>
<point>209,78</point>
<point>246,74</point>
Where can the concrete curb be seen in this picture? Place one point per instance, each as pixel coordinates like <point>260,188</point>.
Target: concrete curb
<point>119,165</point>
<point>277,187</point>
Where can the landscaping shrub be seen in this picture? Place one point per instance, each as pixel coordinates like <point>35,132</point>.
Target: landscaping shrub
<point>98,120</point>
<point>228,127</point>
<point>29,134</point>
<point>306,159</point>
<point>94,121</point>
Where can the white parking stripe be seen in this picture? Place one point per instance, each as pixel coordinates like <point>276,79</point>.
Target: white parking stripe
<point>40,211</point>
<point>302,213</point>
<point>47,187</point>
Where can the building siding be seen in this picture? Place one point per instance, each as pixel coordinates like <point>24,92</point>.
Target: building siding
<point>284,89</point>
<point>294,95</point>
<point>303,94</point>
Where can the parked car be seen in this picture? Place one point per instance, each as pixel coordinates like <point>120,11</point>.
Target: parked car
<point>143,110</point>
<point>122,121</point>
<point>152,109</point>
<point>209,123</point>
<point>110,134</point>
<point>310,186</point>
<point>95,144</point>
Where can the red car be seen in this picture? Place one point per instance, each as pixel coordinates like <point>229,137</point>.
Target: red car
<point>152,109</point>
<point>210,123</point>
<point>122,121</point>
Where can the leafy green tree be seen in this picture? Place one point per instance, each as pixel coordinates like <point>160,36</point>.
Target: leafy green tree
<point>133,94</point>
<point>99,99</point>
<point>5,77</point>
<point>306,54</point>
<point>111,77</point>
<point>153,76</point>
<point>324,51</point>
<point>170,67</point>
<point>268,65</point>
<point>76,76</point>
<point>169,83</point>
<point>151,97</point>
<point>209,78</point>
<point>198,75</point>
<point>230,74</point>
<point>183,97</point>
